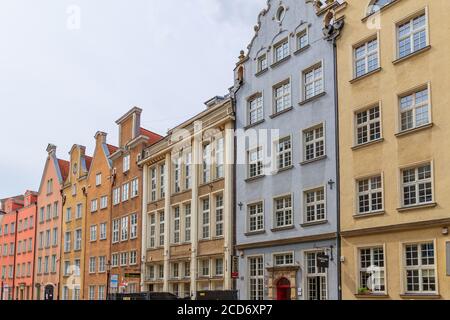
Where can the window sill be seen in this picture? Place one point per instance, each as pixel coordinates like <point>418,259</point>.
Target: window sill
<point>254,233</point>
<point>260,73</point>
<point>369,215</point>
<point>367,144</point>
<point>366,75</point>
<point>410,131</point>
<point>418,207</point>
<point>298,51</point>
<point>413,54</point>
<point>282,228</point>
<point>276,64</point>
<point>317,96</point>
<point>254,124</point>
<point>281,112</point>
<point>312,224</point>
<point>304,163</point>
<point>284,169</point>
<point>255,178</point>
<point>420,296</point>
<point>372,296</point>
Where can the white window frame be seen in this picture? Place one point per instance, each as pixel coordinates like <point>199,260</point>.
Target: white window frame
<point>94,205</point>
<point>116,231</point>
<point>421,267</point>
<point>126,163</point>
<point>283,152</point>
<point>282,92</point>
<point>176,238</point>
<point>317,142</point>
<point>370,122</point>
<point>98,179</point>
<point>255,105</point>
<point>313,81</point>
<point>417,182</point>
<point>366,56</point>
<point>187,222</point>
<point>302,33</point>
<point>281,50</point>
<point>125,192</point>
<point>134,188</point>
<point>205,219</point>
<point>414,107</point>
<point>124,232</point>
<point>257,278</point>
<point>256,163</point>
<point>371,192</point>
<point>284,256</point>
<point>372,249</point>
<point>219,208</point>
<point>260,65</point>
<point>133,226</point>
<point>315,204</point>
<point>284,211</point>
<point>412,32</point>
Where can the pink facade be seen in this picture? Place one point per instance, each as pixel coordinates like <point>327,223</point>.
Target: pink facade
<point>24,258</point>
<point>48,228</point>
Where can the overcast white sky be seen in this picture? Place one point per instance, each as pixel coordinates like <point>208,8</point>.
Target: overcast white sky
<point>61,85</point>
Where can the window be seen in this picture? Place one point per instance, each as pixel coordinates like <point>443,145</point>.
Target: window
<point>175,270</point>
<point>372,270</point>
<point>41,216</point>
<point>205,219</point>
<point>104,202</point>
<point>54,237</point>
<point>187,269</point>
<point>370,195</point>
<point>67,237</point>
<point>114,260</point>
<point>94,204</point>
<point>162,170</point>
<point>46,264</point>
<point>92,263</point>
<point>126,163</point>
<point>65,293</point>
<point>49,186</point>
<point>187,172</point>
<point>218,267</point>
<point>313,82</point>
<point>204,268</point>
<point>76,293</point>
<point>421,276</point>
<point>133,226</point>
<point>152,242</point>
<point>302,39</point>
<point>256,217</point>
<point>283,212</point>
<point>285,259</point>
<point>262,63</point>
<point>91,293</point>
<point>133,258</point>
<point>219,216</point>
<point>68,214</point>
<point>187,222</point>
<point>53,264</point>
<point>125,192</point>
<point>219,158</point>
<point>177,175</point>
<point>115,231</point>
<point>134,188</point>
<point>256,278</point>
<point>116,196</point>
<point>376,5</point>
<point>282,97</point>
<point>101,292</point>
<point>412,35</point>
<point>281,50</point>
<point>255,110</point>
<point>124,229</point>
<point>93,233</point>
<point>176,225</point>
<point>417,186</point>
<point>123,259</point>
<point>98,179</point>
<point>314,141</point>
<point>79,212</point>
<point>415,110</point>
<point>161,272</point>
<point>55,213</point>
<point>161,228</point>
<point>315,205</point>
<point>49,212</point>
<point>316,278</point>
<point>103,231</point>
<point>255,163</point>
<point>366,58</point>
<point>206,163</point>
<point>77,240</point>
<point>153,184</point>
<point>284,153</point>
<point>74,190</point>
<point>368,125</point>
<point>77,269</point>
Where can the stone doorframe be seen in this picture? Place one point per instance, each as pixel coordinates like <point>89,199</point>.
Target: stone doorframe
<point>277,273</point>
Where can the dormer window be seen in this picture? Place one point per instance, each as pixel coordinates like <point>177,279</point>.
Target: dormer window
<point>376,5</point>
<point>262,63</point>
<point>281,50</point>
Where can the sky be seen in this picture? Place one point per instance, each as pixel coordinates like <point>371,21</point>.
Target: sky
<point>71,68</point>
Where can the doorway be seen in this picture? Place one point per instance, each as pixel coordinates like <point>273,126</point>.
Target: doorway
<point>48,295</point>
<point>283,289</point>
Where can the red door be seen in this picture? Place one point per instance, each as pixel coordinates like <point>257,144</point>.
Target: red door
<point>284,289</point>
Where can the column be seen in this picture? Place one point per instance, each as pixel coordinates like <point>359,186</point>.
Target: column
<point>229,205</point>
<point>144,225</point>
<point>196,160</point>
<point>167,216</point>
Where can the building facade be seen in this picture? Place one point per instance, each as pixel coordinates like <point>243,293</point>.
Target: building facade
<point>393,96</point>
<point>188,205</point>
<point>126,208</point>
<point>286,191</point>
<point>98,221</point>
<point>8,230</point>
<point>48,228</point>
<point>73,233</point>
<point>25,240</point>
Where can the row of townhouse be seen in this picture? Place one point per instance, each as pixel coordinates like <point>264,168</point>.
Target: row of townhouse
<point>320,175</point>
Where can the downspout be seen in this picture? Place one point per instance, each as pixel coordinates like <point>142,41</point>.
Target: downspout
<point>34,250</point>
<point>61,241</point>
<point>14,259</point>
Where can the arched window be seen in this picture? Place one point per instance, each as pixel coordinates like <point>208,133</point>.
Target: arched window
<point>376,5</point>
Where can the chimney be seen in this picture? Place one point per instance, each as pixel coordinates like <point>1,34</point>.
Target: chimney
<point>51,149</point>
<point>100,137</point>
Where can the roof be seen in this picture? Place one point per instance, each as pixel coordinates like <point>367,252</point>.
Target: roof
<point>154,137</point>
<point>64,166</point>
<point>88,162</point>
<point>111,148</point>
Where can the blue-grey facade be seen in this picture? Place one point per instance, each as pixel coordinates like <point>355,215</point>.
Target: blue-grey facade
<point>286,195</point>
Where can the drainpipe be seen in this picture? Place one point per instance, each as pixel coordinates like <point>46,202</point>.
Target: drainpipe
<point>15,253</point>
<point>34,251</point>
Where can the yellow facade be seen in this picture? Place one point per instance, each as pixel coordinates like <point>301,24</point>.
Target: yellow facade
<point>73,222</point>
<point>403,236</point>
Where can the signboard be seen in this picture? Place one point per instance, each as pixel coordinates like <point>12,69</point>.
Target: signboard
<point>114,281</point>
<point>235,275</point>
<point>133,275</point>
<point>323,261</point>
